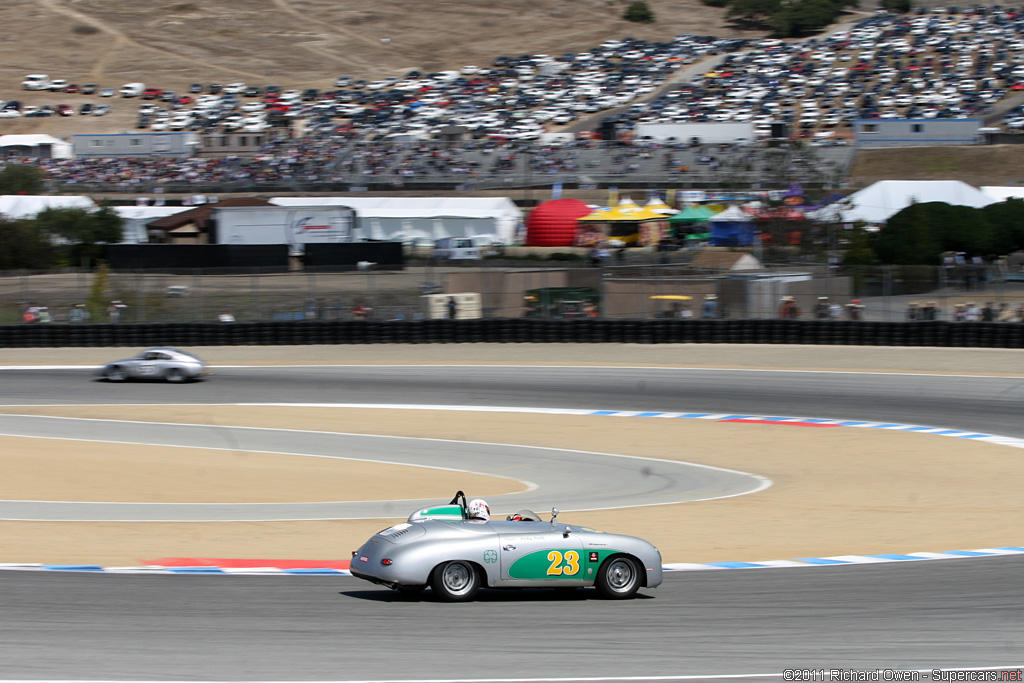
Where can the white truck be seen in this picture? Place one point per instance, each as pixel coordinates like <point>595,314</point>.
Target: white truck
<point>295,226</point>
<point>132,89</point>
<point>36,82</point>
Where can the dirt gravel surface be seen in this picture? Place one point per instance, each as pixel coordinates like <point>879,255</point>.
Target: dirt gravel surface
<point>835,491</point>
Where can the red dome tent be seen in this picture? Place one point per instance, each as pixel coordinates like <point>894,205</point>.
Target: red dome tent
<point>554,223</point>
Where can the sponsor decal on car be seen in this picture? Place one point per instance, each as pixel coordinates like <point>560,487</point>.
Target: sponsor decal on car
<point>556,564</point>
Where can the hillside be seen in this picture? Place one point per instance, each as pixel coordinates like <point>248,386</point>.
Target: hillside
<point>298,43</point>
<point>979,165</point>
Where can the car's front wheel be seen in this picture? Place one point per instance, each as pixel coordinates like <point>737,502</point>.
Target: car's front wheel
<point>174,375</point>
<point>455,581</point>
<point>618,578</point>
<point>116,374</point>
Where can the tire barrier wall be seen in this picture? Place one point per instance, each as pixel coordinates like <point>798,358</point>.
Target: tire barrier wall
<point>519,330</point>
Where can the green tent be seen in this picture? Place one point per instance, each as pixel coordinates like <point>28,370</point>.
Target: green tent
<point>692,214</point>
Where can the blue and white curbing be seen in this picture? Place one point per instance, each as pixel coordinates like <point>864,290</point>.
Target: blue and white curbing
<point>714,417</point>
<point>833,561</point>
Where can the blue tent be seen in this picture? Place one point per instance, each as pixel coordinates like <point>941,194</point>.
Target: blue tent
<point>731,228</point>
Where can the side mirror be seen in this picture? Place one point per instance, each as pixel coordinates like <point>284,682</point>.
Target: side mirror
<point>554,516</point>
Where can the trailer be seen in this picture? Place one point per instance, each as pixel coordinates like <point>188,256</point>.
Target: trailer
<point>295,226</point>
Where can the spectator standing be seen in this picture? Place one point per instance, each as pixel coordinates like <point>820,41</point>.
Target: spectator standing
<point>988,314</point>
<point>855,310</point>
<point>788,310</point>
<point>116,311</point>
<point>31,314</point>
<point>821,308</point>
<point>453,308</point>
<point>710,308</point>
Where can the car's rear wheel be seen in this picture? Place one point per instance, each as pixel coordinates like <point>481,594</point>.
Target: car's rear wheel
<point>455,581</point>
<point>116,374</point>
<point>618,578</point>
<point>174,375</point>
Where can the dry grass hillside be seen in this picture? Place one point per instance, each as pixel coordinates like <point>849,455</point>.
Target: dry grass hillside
<point>299,43</point>
<point>976,165</point>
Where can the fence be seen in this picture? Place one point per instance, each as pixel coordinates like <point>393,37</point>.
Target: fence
<point>520,330</point>
<point>886,293</point>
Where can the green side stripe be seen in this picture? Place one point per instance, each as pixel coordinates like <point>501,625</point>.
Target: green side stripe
<point>567,563</point>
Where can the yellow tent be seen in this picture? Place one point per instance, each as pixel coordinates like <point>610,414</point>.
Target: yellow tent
<point>626,210</point>
<point>625,221</point>
<point>659,207</point>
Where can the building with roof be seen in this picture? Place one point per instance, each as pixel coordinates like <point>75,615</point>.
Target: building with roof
<point>193,226</point>
<point>916,132</point>
<point>171,144</point>
<point>36,146</point>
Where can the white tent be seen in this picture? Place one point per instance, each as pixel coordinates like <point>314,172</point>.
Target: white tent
<point>880,201</point>
<point>44,146</point>
<point>1001,194</point>
<point>406,218</point>
<point>28,205</point>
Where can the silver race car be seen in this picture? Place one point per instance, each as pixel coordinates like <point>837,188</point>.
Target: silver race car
<point>162,362</point>
<point>443,548</point>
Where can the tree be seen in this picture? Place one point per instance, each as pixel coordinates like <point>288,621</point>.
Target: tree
<point>1007,221</point>
<point>23,246</point>
<point>96,304</point>
<point>754,13</point>
<point>918,234</point>
<point>803,17</point>
<point>897,6</point>
<point>859,248</point>
<point>21,179</point>
<point>83,231</point>
<point>639,12</point>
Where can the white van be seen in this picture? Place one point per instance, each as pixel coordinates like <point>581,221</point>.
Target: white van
<point>132,89</point>
<point>456,248</point>
<point>36,82</point>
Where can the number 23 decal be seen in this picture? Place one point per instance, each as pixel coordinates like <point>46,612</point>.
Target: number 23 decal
<point>571,565</point>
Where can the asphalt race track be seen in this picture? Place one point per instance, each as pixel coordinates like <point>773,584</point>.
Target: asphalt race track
<point>747,624</point>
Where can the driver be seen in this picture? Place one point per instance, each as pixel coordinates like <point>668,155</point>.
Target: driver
<point>478,510</point>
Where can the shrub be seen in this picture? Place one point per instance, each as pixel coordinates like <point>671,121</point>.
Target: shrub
<point>897,6</point>
<point>639,12</point>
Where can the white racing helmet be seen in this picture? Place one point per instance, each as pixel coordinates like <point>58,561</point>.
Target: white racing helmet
<point>478,509</point>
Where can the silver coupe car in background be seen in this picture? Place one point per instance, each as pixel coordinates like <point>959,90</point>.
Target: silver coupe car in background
<point>160,363</point>
<point>443,548</point>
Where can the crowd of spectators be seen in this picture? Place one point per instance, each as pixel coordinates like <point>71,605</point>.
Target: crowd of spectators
<point>320,159</point>
<point>948,63</point>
